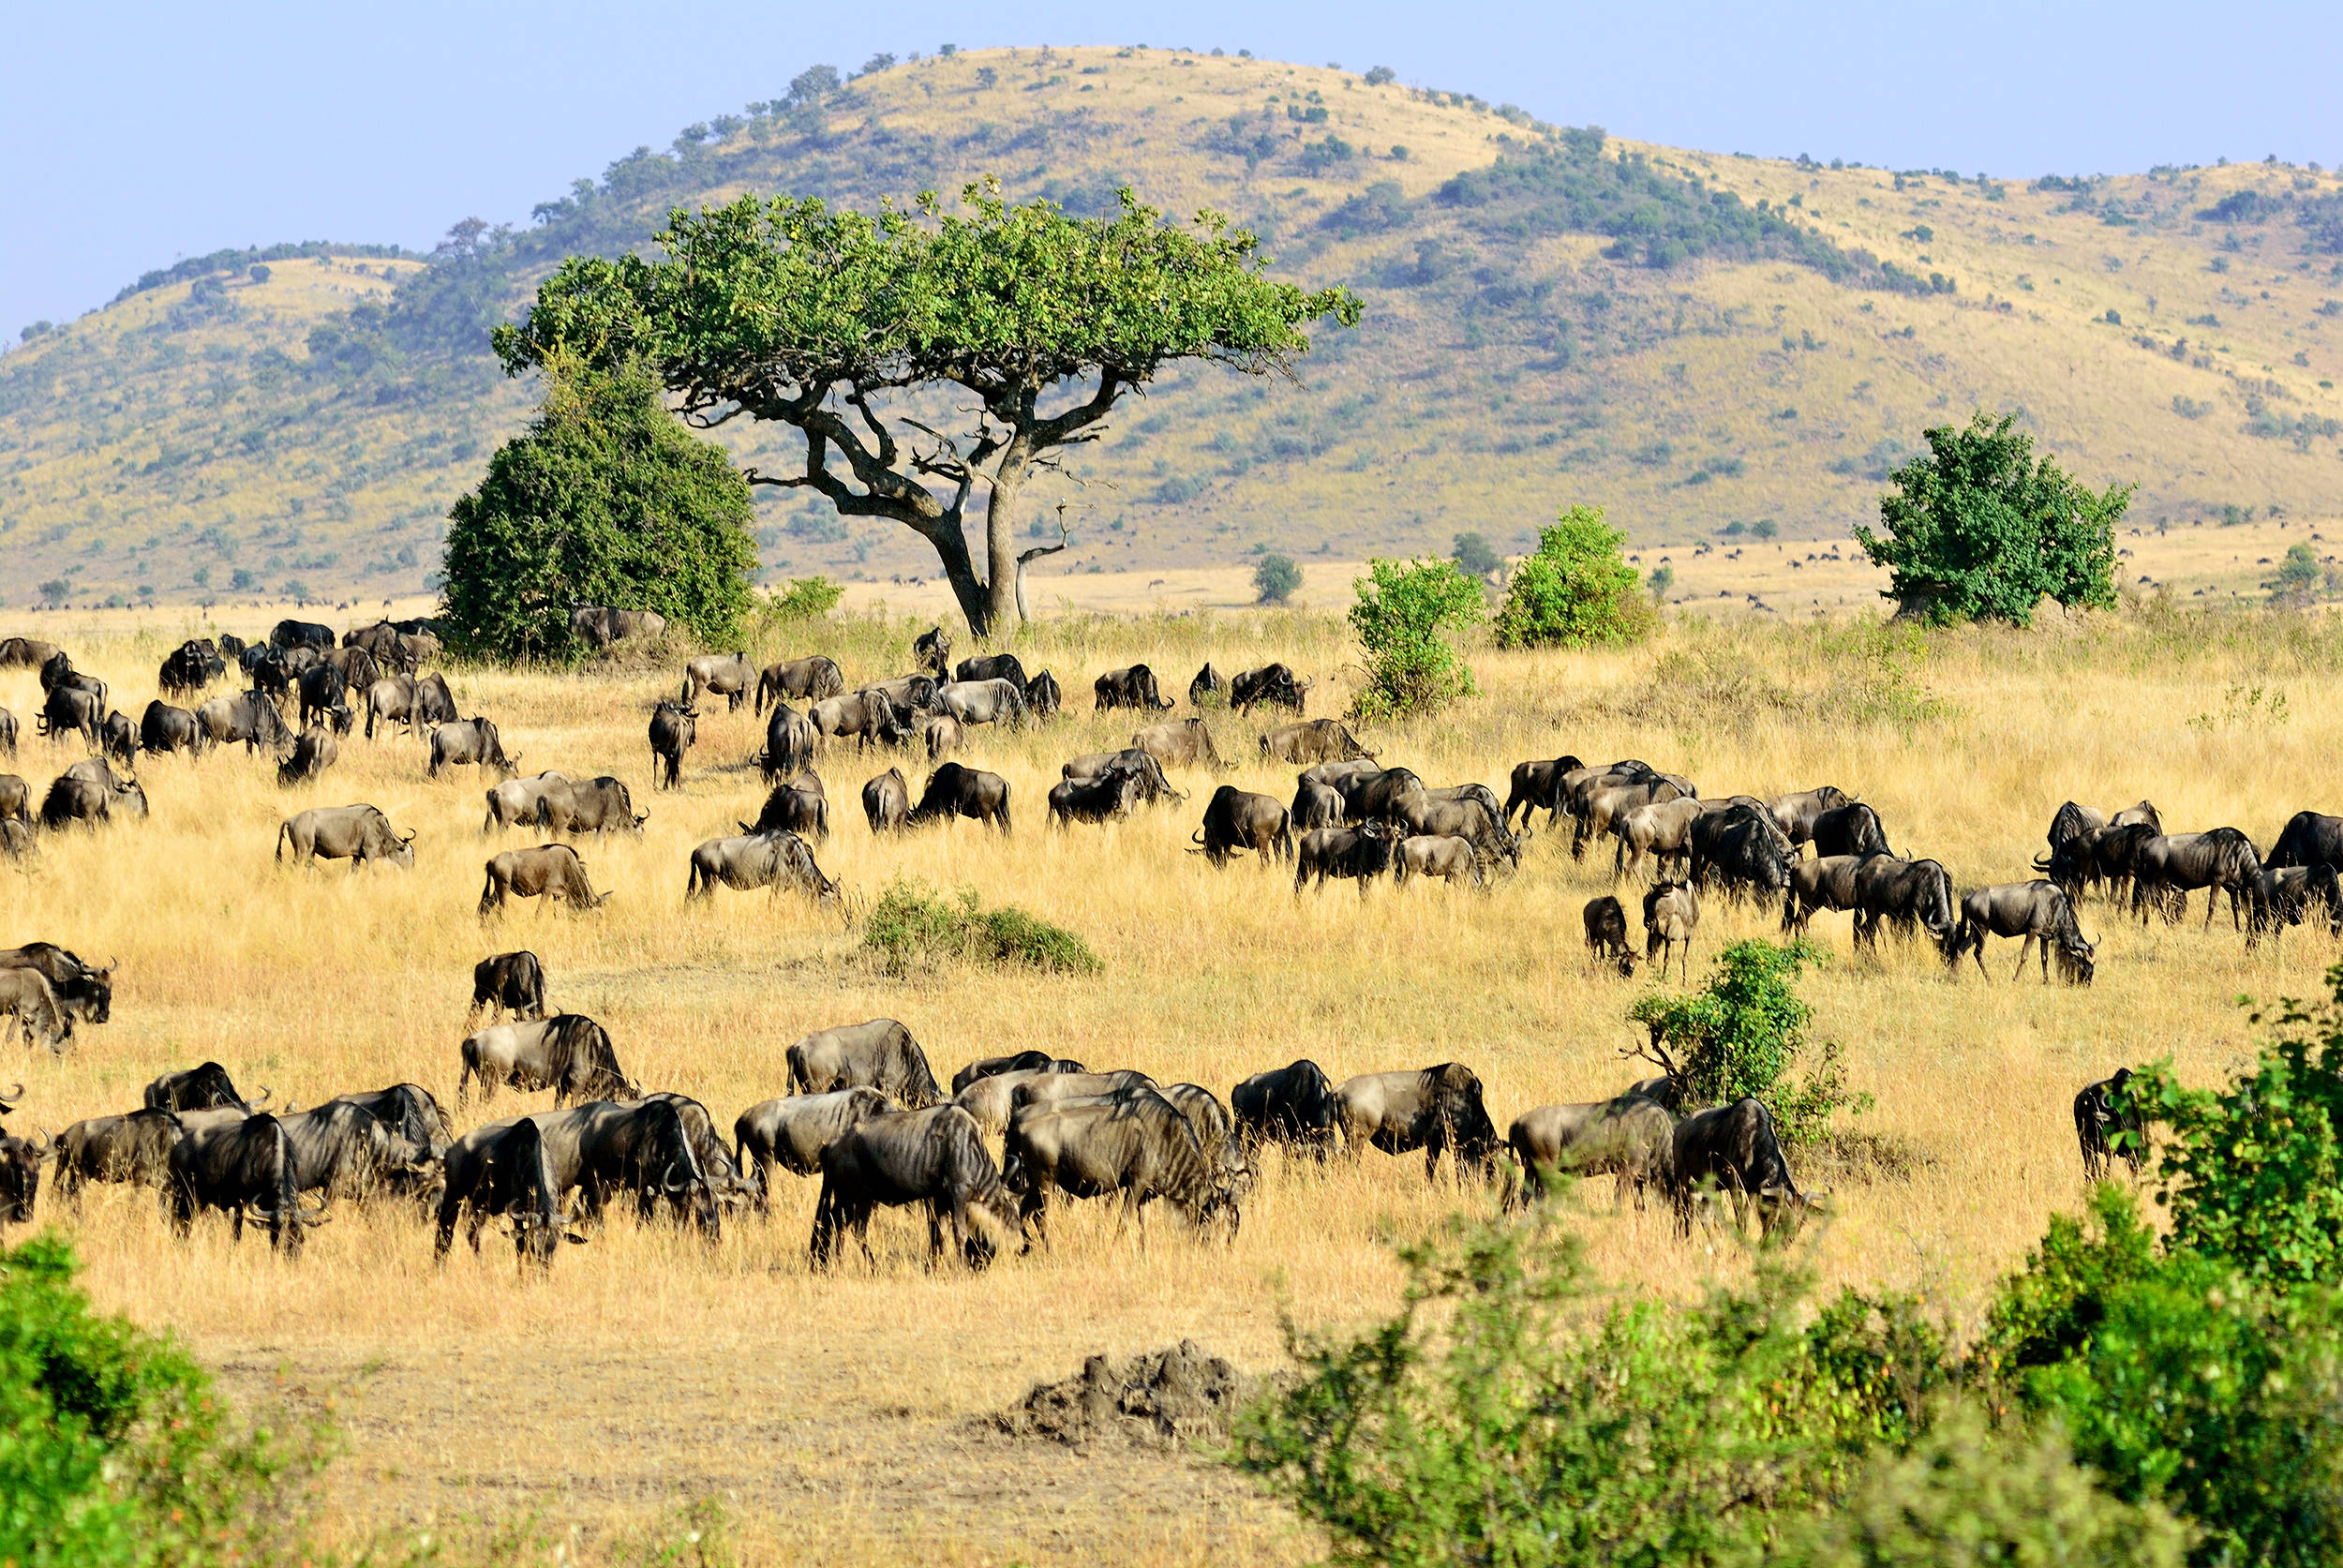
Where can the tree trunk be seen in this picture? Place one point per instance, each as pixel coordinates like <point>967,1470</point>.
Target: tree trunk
<point>1000,536</point>
<point>951,549</point>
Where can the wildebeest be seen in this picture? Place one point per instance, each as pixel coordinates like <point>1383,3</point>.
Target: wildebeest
<point>789,741</point>
<point>342,1150</point>
<point>2283,895</point>
<point>1106,797</point>
<point>118,738</point>
<point>470,742</point>
<point>602,625</point>
<point>877,1055</point>
<point>413,701</point>
<point>16,800</point>
<point>1539,784</point>
<point>26,652</point>
<point>1136,1145</point>
<point>774,861</point>
<point>1439,854</point>
<point>869,715</point>
<point>1631,1138</point>
<point>1140,766</point>
<point>201,1088</point>
<point>551,869</point>
<point>1827,883</point>
<point>289,632</point>
<point>249,717</point>
<point>79,798</point>
<point>942,734</point>
<point>1671,912</point>
<point>354,834</point>
<point>792,1130</point>
<point>1236,820</point>
<point>957,791</point>
<point>1910,895</point>
<point>1741,849</point>
<point>1853,829</point>
<point>1373,794</point>
<point>7,732</point>
<point>2103,1109</point>
<point>68,710</point>
<point>419,1128</point>
<point>1795,814</point>
<point>1181,741</point>
<point>193,666</point>
<point>164,728</point>
<point>26,995</point>
<point>357,667</point>
<point>912,693</point>
<point>991,666</point>
<point>1435,1109</point>
<point>1292,1105</point>
<point>239,1165</point>
<point>729,676</point>
<point>507,1168</point>
<point>807,679</point>
<point>674,728</point>
<point>2171,866</point>
<point>514,981</point>
<point>520,802</point>
<point>2308,839</point>
<point>16,837</point>
<point>1732,1148</point>
<point>569,1053</point>
<point>933,1157</point>
<point>1132,686</point>
<point>1042,697</point>
<point>1315,805</point>
<point>314,751</point>
<point>1606,934</point>
<point>931,651</point>
<point>1023,1061</point>
<point>1598,808</point>
<point>886,801</point>
<point>1312,741</point>
<point>2034,911</point>
<point>984,702</point>
<point>1273,684</point>
<point>20,1173</point>
<point>598,805</point>
<point>134,1149</point>
<point>801,806</point>
<point>321,690</point>
<point>1208,689</point>
<point>1362,853</point>
<point>1659,829</point>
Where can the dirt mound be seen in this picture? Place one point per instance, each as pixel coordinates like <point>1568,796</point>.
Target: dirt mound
<point>1168,1395</point>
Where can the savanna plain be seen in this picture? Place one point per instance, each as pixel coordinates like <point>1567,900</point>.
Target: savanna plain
<point>843,1417</point>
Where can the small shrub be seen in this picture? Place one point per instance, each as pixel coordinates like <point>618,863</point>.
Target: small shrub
<point>1738,1037</point>
<point>1473,556</point>
<point>910,928</point>
<point>1276,580</point>
<point>1405,609</point>
<point>1762,529</point>
<point>1576,590</point>
<point>804,599</point>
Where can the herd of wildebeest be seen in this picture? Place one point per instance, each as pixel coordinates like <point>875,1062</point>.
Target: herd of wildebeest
<point>864,1111</point>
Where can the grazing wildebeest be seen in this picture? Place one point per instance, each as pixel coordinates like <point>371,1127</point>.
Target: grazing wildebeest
<point>807,679</point>
<point>205,1088</point>
<point>314,751</point>
<point>2171,866</point>
<point>1733,1148</point>
<point>2102,1110</point>
<point>931,651</point>
<point>26,995</point>
<point>1631,1138</point>
<point>598,805</point>
<point>20,1174</point>
<point>569,1053</point>
<point>341,1149</point>
<point>991,1098</point>
<point>551,869</point>
<point>1236,820</point>
<point>2284,894</point>
<point>1795,814</point>
<point>245,1164</point>
<point>413,701</point>
<point>1827,883</point>
<point>1292,1105</point>
<point>1023,1061</point>
<point>26,652</point>
<point>673,730</point>
<point>1273,684</point>
<point>419,1128</point>
<point>358,668</point>
<point>991,666</point>
<point>2034,911</point>
<point>1312,741</point>
<point>1596,810</point>
<point>801,806</point>
<point>1208,689</point>
<point>1539,784</point>
<point>868,715</point>
<point>134,1149</point>
<point>1136,1145</point>
<point>1853,829</point>
<point>1042,697</point>
<point>602,625</point>
<point>468,742</point>
<point>772,860</point>
<point>942,736</point>
<point>1106,797</point>
<point>1361,853</point>
<point>886,801</point>
<point>984,702</point>
<point>193,666</point>
<point>16,800</point>
<point>502,982</point>
<point>249,717</point>
<point>1742,849</point>
<point>76,798</point>
<point>507,1168</point>
<point>877,1055</point>
<point>1606,934</point>
<point>1671,912</point>
<point>957,791</point>
<point>1375,795</point>
<point>520,802</point>
<point>1141,765</point>
<point>1913,896</point>
<point>7,732</point>
<point>1435,1109</point>
<point>1468,812</point>
<point>321,690</point>
<point>164,728</point>
<point>1660,830</point>
<point>2308,839</point>
<point>16,839</point>
<point>118,738</point>
<point>289,632</point>
<point>66,710</point>
<point>729,676</point>
<point>1451,859</point>
<point>354,834</point>
<point>792,1130</point>
<point>913,693</point>
<point>1185,742</point>
<point>1315,805</point>
<point>933,1157</point>
<point>1132,686</point>
<point>789,741</point>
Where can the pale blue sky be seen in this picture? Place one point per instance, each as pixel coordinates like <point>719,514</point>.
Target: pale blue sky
<point>134,133</point>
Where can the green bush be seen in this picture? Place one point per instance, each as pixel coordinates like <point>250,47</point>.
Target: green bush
<point>606,500</point>
<point>1576,590</point>
<point>1473,555</point>
<point>804,599</point>
<point>1738,1037</point>
<point>1276,580</point>
<point>1405,609</point>
<point>910,928</point>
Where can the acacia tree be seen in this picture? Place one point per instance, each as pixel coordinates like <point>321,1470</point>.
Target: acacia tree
<point>857,329</point>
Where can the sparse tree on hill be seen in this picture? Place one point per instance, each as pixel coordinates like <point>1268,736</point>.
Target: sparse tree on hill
<point>856,328</point>
<point>1277,578</point>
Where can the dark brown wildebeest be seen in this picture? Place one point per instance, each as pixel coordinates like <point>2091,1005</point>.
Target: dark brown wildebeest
<point>518,1168</point>
<point>1042,697</point>
<point>729,676</point>
<point>414,1118</point>
<point>1236,820</point>
<point>164,728</point>
<point>76,798</point>
<point>1313,741</point>
<point>58,675</point>
<point>792,1130</point>
<point>16,800</point>
<point>801,806</point>
<point>602,625</point>
<point>2103,1110</point>
<point>1362,853</point>
<point>468,742</point>
<point>957,791</point>
<point>1743,850</point>
<point>314,751</point>
<point>886,801</point>
<point>1136,1145</point>
<point>2308,839</point>
<point>289,632</point>
<point>1853,829</point>
<point>26,995</point>
<point>1108,798</point>
<point>1440,855</point>
<point>134,1149</point>
<point>598,805</point>
<point>1375,795</point>
<point>931,651</point>
<point>877,1055</point>
<point>789,741</point>
<point>991,666</point>
<point>1539,784</point>
<point>1056,1088</point>
<point>1141,765</point>
<point>1315,805</point>
<point>1182,742</point>
<point>1023,1061</point>
<point>354,834</point>
<point>2034,911</point>
<point>204,1088</point>
<point>26,652</point>
<point>342,1150</point>
<point>1913,896</point>
<point>7,732</point>
<point>772,860</point>
<point>1435,1109</point>
<point>249,717</point>
<point>321,690</point>
<point>1208,690</point>
<point>193,666</point>
<point>991,1098</point>
<point>807,679</point>
<point>16,838</point>
<point>1292,1106</point>
<point>20,1174</point>
<point>2171,866</point>
<point>1671,912</point>
<point>1132,686</point>
<point>569,1053</point>
<point>68,710</point>
<point>1827,883</point>
<point>553,870</point>
<point>983,702</point>
<point>1271,684</point>
<point>1732,1148</point>
<point>1609,797</point>
<point>235,1166</point>
<point>118,738</point>
<point>2283,895</point>
<point>520,802</point>
<point>358,668</point>
<point>933,1157</point>
<point>1606,934</point>
<point>1470,815</point>
<point>1795,814</point>
<point>673,730</point>
<point>1631,1138</point>
<point>914,693</point>
<point>869,715</point>
<point>502,981</point>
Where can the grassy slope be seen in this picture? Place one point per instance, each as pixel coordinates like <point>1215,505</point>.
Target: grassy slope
<point>158,419</point>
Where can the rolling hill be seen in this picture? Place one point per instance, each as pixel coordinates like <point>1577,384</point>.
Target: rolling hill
<point>1687,338</point>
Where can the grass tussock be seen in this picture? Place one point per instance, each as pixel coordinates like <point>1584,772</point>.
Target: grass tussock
<point>910,930</point>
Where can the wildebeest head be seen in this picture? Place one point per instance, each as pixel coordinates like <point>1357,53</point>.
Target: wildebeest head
<point>20,1175</point>
<point>1456,1092</point>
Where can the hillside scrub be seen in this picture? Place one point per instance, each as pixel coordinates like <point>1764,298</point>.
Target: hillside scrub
<point>1576,590</point>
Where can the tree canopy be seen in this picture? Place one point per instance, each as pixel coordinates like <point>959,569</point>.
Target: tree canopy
<point>836,321</point>
<point>1977,527</point>
<point>1574,590</point>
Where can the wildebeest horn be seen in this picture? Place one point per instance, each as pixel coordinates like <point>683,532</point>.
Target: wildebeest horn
<point>46,1147</point>
<point>407,837</point>
<point>8,1101</point>
<point>263,1096</point>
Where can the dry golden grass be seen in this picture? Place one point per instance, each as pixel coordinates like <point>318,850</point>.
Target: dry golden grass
<point>837,1417</point>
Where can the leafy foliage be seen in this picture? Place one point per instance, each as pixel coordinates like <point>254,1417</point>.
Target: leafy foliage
<point>1976,528</point>
<point>2298,577</point>
<point>1404,611</point>
<point>604,499</point>
<point>1739,1036</point>
<point>1576,590</point>
<point>1276,580</point>
<point>911,929</point>
<point>1473,555</point>
<point>804,599</point>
